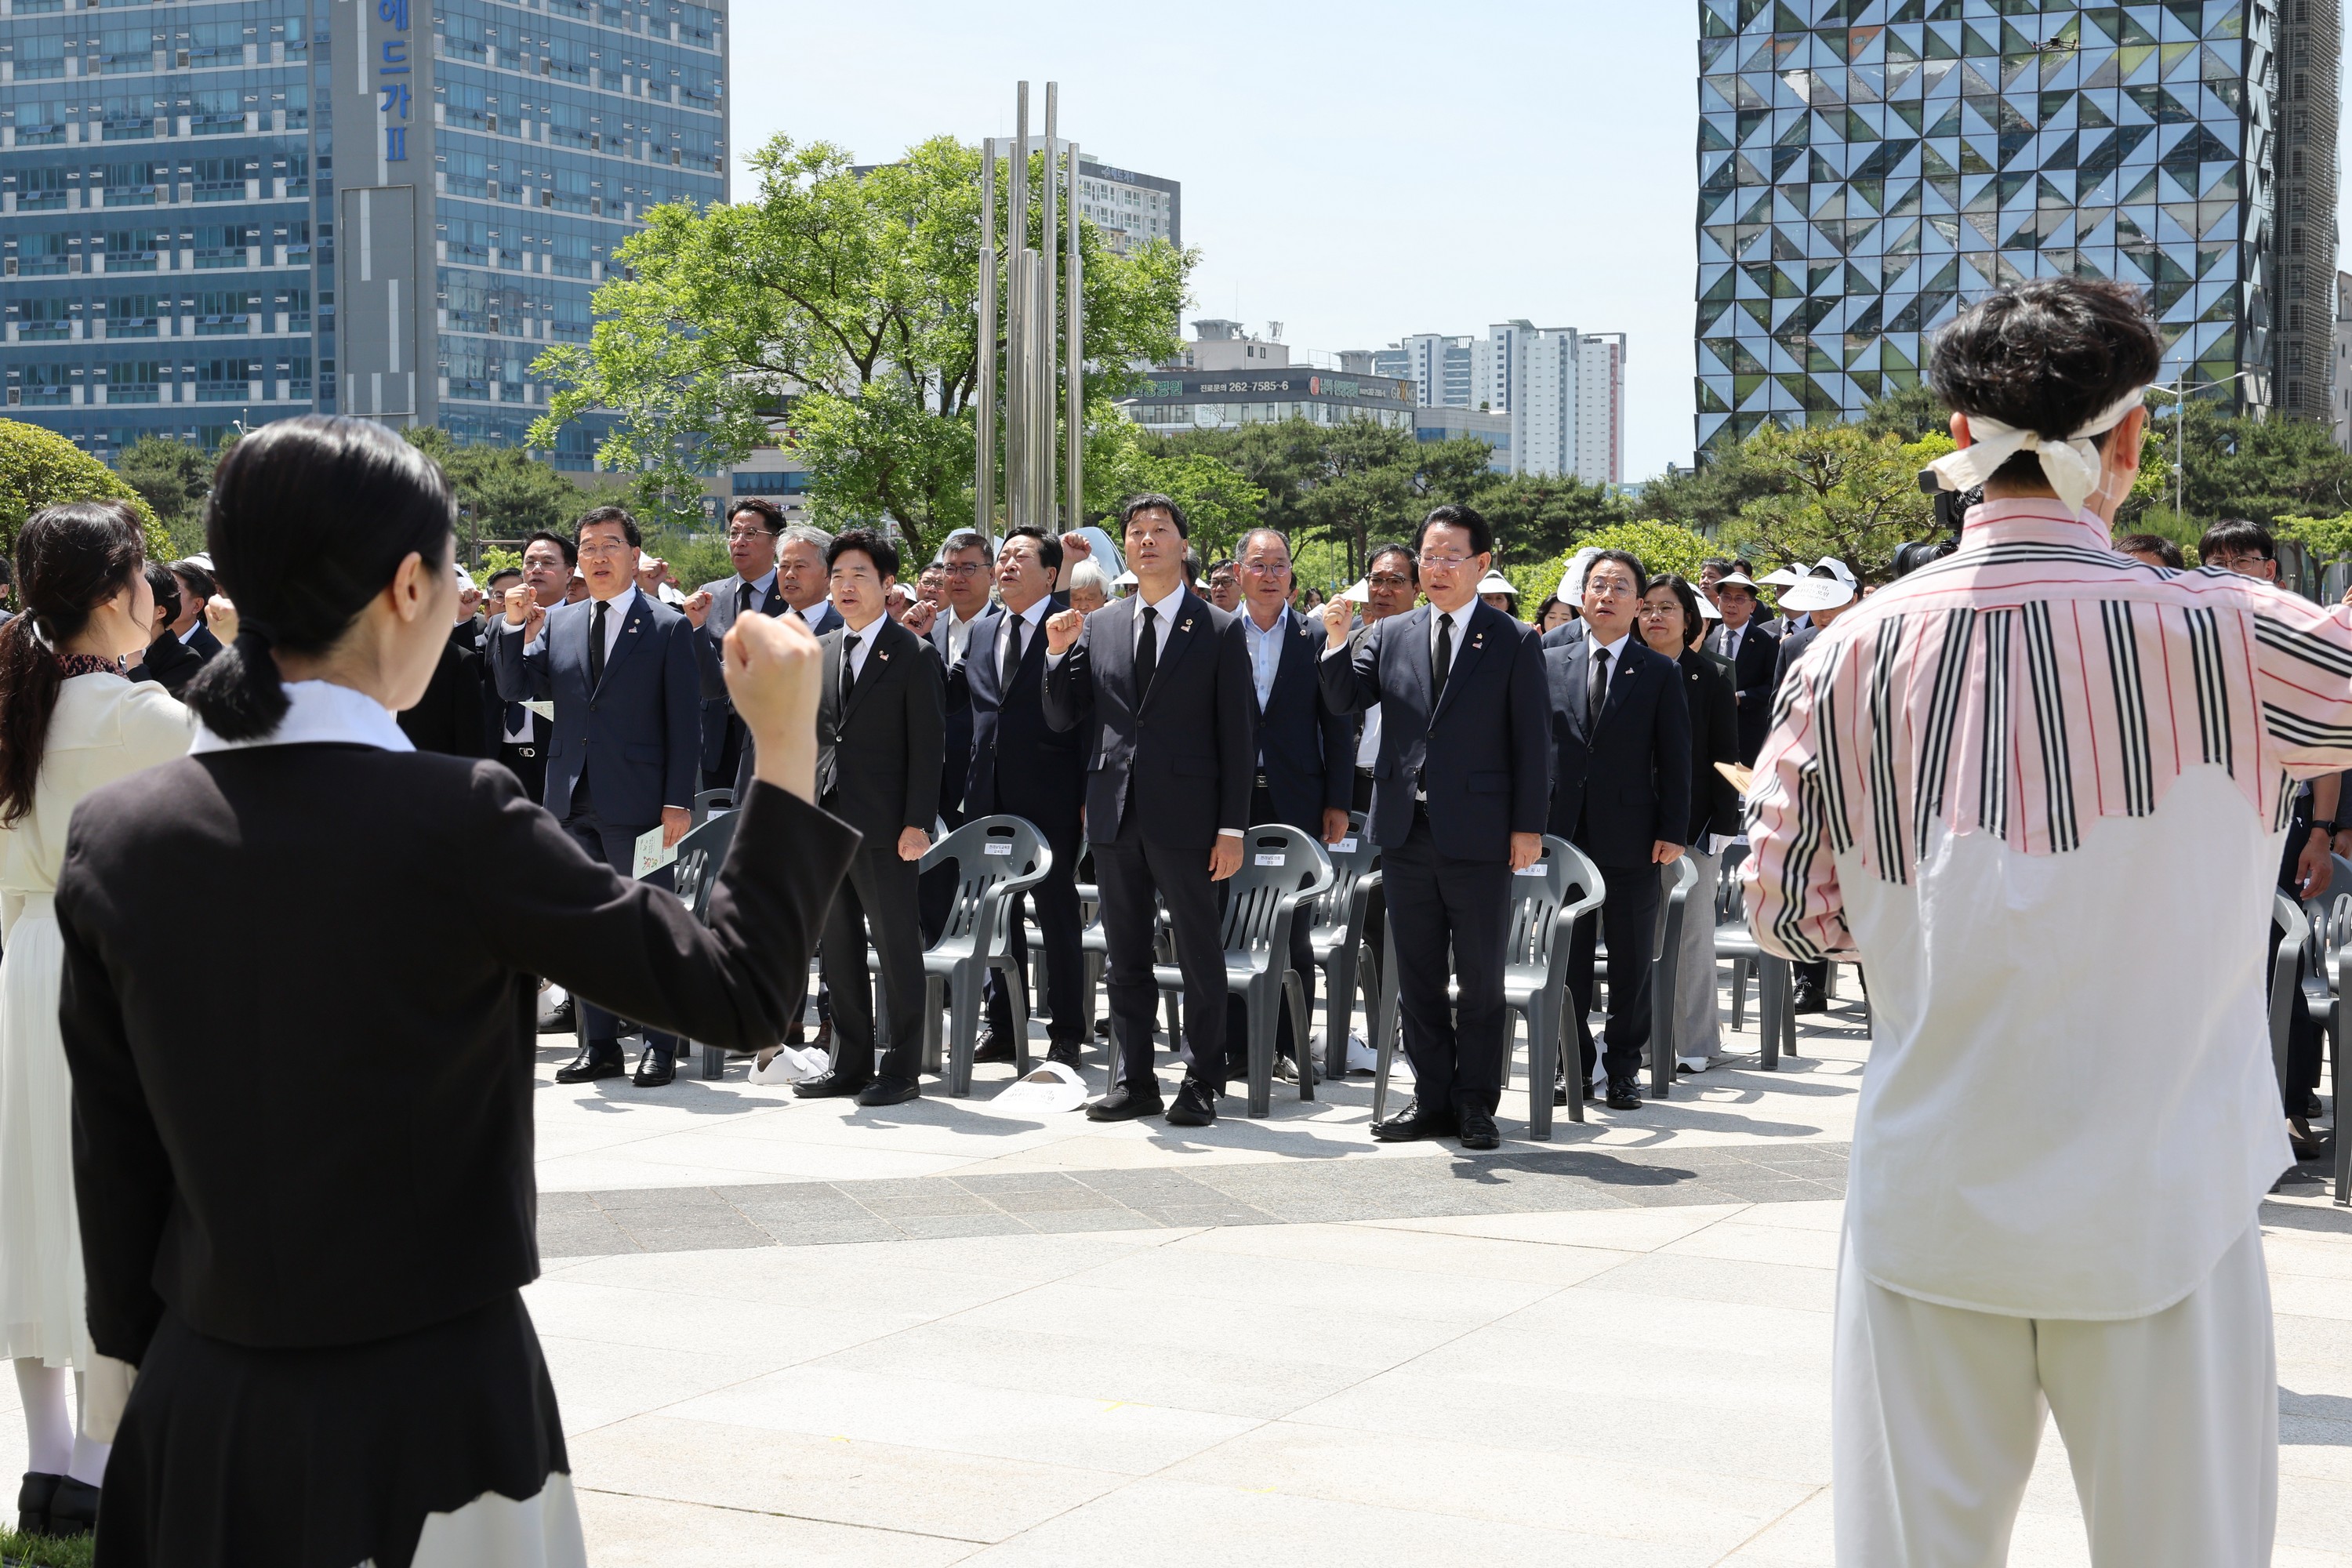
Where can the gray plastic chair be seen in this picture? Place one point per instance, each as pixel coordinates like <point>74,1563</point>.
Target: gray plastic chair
<point>1337,940</point>
<point>2293,931</point>
<point>1776,1025</point>
<point>691,876</point>
<point>1546,902</point>
<point>995,858</point>
<point>1666,974</point>
<point>1284,872</point>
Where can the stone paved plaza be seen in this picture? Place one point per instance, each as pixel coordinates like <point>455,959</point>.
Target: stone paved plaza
<point>799,1332</point>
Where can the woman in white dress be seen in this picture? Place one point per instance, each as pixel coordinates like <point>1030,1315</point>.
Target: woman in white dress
<point>68,723</point>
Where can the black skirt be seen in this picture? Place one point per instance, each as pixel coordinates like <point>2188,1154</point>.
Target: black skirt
<point>229,1457</point>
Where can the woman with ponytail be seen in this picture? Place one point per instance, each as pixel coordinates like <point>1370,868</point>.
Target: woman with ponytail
<point>315,1267</point>
<point>69,723</point>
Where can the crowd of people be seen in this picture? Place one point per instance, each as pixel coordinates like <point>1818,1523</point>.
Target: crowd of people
<point>286,1307</point>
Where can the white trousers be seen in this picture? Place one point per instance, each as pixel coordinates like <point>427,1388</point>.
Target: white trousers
<point>2170,1422</point>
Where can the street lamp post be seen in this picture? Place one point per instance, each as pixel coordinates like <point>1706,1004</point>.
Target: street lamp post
<point>2179,392</point>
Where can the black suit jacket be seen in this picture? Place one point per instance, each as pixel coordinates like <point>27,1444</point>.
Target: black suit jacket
<point>1791,649</point>
<point>1714,737</point>
<point>1184,757</point>
<point>169,662</point>
<point>1482,756</point>
<point>201,642</point>
<point>340,1204</point>
<point>1306,748</point>
<point>718,712</point>
<point>878,760</point>
<point>451,717</point>
<point>1754,670</point>
<point>1020,763</point>
<point>1619,789</point>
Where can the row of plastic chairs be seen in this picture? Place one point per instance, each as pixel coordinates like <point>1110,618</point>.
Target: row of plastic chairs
<point>2321,931</point>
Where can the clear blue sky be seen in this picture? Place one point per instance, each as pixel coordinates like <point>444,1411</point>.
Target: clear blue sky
<point>1354,170</point>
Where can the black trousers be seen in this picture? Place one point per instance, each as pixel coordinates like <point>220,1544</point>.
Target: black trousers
<point>1438,905</point>
<point>617,847</point>
<point>1129,871</point>
<point>2303,1031</point>
<point>938,886</point>
<point>1629,918</point>
<point>1302,959</point>
<point>1815,974</point>
<point>876,901</point>
<point>1055,899</point>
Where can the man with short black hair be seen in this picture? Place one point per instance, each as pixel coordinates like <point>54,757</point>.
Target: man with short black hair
<point>754,527</point>
<point>622,762</point>
<point>1022,766</point>
<point>1225,585</point>
<point>1970,774</point>
<point>1157,685</point>
<point>1464,776</point>
<point>2151,550</point>
<point>880,724</point>
<point>196,590</point>
<point>1745,643</point>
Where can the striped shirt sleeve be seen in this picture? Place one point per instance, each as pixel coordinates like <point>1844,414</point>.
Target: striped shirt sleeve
<point>2302,661</point>
<point>1794,905</point>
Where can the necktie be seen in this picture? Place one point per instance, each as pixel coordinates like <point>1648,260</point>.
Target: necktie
<point>743,600</point>
<point>596,644</point>
<point>516,713</point>
<point>1147,654</point>
<point>1011,652</point>
<point>1442,666</point>
<point>848,665</point>
<point>1597,696</point>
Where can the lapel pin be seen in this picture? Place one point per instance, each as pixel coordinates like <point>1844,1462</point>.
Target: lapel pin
<point>1187,624</point>
<point>883,657</point>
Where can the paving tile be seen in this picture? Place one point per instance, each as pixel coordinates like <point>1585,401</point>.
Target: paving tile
<point>626,1532</point>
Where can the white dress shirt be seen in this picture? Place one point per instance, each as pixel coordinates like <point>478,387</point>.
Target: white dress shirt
<point>815,613</point>
<point>615,618</point>
<point>1265,651</point>
<point>864,646</point>
<point>960,634</point>
<point>1731,635</point>
<point>1163,613</point>
<point>1461,620</point>
<point>320,711</point>
<point>1033,625</point>
<point>759,588</point>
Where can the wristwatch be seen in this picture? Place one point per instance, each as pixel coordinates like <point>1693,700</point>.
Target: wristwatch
<point>2330,828</point>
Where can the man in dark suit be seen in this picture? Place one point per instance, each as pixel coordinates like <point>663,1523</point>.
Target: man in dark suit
<point>804,579</point>
<point>753,530</point>
<point>880,728</point>
<point>1463,781</point>
<point>1620,793</point>
<point>1821,595</point>
<point>619,667</point>
<point>521,735</point>
<point>1160,682</point>
<point>1022,766</point>
<point>196,589</point>
<point>1306,772</point>
<point>964,577</point>
<point>1754,654</point>
<point>452,717</point>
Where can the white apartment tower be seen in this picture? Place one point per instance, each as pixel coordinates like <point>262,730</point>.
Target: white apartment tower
<point>1566,399</point>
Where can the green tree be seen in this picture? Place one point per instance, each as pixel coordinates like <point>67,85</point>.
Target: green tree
<point>39,468</point>
<point>1221,503</point>
<point>1658,546</point>
<point>1836,492</point>
<point>1538,517</point>
<point>174,477</point>
<point>855,296</point>
<point>503,492</point>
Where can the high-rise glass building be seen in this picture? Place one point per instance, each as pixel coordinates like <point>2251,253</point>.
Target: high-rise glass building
<point>1867,166</point>
<point>215,212</point>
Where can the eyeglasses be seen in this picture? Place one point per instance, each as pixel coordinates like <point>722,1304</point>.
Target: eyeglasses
<point>1650,612</point>
<point>2237,563</point>
<point>602,548</point>
<point>1266,568</point>
<point>964,569</point>
<point>1389,580</point>
<point>734,534</point>
<point>1448,562</point>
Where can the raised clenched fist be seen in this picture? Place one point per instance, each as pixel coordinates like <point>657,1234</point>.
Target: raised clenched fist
<point>1337,616</point>
<point>697,609</point>
<point>1077,547</point>
<point>1062,631</point>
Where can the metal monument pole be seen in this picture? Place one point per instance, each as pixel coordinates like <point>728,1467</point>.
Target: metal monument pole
<point>1075,409</point>
<point>1042,355</point>
<point>983,482</point>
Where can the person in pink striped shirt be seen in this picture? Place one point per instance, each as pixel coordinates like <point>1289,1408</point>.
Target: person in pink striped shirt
<point>2039,788</point>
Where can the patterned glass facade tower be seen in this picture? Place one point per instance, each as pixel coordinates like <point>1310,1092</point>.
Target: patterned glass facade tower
<point>1867,166</point>
<point>179,251</point>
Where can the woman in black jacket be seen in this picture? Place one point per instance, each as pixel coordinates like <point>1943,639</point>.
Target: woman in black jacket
<point>1671,623</point>
<point>316,1269</point>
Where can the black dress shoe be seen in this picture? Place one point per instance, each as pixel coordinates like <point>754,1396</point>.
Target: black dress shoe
<point>1410,1123</point>
<point>654,1069</point>
<point>888,1090</point>
<point>560,1021</point>
<point>832,1084</point>
<point>32,1498</point>
<point>73,1509</point>
<point>1624,1094</point>
<point>2311,1106</point>
<point>1479,1132</point>
<point>1808,999</point>
<point>993,1047</point>
<point>1122,1104</point>
<point>1065,1052</point>
<point>592,1063</point>
<point>1196,1104</point>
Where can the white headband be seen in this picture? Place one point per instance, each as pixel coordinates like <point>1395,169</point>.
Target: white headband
<point>2071,466</point>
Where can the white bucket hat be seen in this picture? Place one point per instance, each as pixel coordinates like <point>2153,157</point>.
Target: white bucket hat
<point>1049,1087</point>
<point>1810,593</point>
<point>1495,582</point>
<point>1571,582</point>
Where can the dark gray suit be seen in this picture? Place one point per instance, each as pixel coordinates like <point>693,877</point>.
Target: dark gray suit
<point>622,749</point>
<point>722,733</point>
